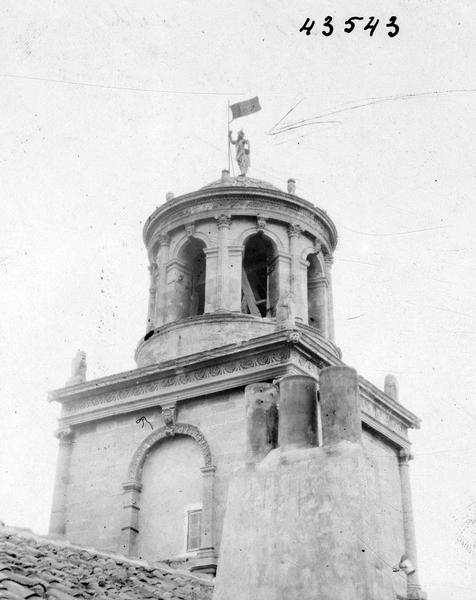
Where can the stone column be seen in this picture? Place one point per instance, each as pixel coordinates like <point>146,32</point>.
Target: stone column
<point>340,405</point>
<point>297,412</point>
<point>261,420</point>
<point>161,280</point>
<point>211,257</point>
<point>233,274</point>
<point>130,521</point>
<point>224,223</point>
<point>59,509</point>
<point>294,232</point>
<point>303,308</point>
<point>328,262</point>
<point>414,591</point>
<point>152,297</point>
<point>318,304</point>
<point>207,559</point>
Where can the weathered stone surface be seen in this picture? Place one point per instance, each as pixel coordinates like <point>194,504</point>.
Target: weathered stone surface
<point>261,420</point>
<point>297,412</point>
<point>294,530</point>
<point>340,405</point>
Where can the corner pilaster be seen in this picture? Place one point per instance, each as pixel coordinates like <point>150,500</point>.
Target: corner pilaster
<point>414,590</point>
<point>59,509</point>
<point>130,524</point>
<point>223,223</point>
<point>161,280</point>
<point>328,262</point>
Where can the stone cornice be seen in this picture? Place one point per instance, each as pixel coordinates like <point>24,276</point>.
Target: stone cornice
<point>165,369</point>
<point>370,391</point>
<point>204,204</point>
<point>236,365</point>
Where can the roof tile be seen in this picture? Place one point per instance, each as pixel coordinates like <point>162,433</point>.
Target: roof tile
<point>34,567</point>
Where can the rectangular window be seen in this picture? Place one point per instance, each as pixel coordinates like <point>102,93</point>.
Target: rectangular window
<point>194,529</point>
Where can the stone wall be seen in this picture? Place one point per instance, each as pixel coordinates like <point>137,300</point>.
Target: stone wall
<point>383,507</point>
<point>101,454</point>
<point>102,451</point>
<point>308,522</point>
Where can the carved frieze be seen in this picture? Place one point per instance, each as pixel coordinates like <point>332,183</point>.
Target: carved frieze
<point>191,377</point>
<point>379,414</point>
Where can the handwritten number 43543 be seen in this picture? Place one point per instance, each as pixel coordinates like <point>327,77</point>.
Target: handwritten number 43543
<point>371,26</point>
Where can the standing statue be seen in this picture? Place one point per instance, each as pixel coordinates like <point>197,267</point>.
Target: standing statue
<point>286,311</point>
<point>78,369</point>
<point>242,151</point>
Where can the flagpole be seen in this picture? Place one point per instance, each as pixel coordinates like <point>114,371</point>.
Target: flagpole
<point>228,137</point>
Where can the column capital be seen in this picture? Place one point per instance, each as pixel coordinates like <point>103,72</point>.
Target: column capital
<point>223,221</point>
<point>163,239</point>
<point>294,230</point>
<point>65,435</point>
<point>152,268</point>
<point>329,260</point>
<point>405,456</point>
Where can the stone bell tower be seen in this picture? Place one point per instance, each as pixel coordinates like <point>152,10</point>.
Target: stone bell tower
<point>240,296</point>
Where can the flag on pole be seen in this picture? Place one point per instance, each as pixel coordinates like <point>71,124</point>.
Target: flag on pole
<point>247,107</point>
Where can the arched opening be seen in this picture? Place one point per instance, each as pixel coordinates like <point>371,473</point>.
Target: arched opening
<point>316,294</point>
<point>171,500</point>
<point>260,284</point>
<point>190,288</point>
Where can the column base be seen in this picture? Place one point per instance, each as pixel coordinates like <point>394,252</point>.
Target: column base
<point>206,562</point>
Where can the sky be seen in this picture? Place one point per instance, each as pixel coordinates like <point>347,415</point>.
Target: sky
<point>105,107</point>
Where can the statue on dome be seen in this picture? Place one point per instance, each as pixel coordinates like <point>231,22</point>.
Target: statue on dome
<point>242,151</point>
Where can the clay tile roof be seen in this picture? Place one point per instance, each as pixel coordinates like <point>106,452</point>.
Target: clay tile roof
<point>34,567</point>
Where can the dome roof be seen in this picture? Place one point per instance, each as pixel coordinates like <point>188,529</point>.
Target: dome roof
<point>240,181</point>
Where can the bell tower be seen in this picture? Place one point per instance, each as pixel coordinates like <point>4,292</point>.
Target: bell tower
<point>238,369</point>
<point>232,261</point>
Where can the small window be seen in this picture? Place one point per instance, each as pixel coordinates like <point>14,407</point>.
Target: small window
<point>194,529</point>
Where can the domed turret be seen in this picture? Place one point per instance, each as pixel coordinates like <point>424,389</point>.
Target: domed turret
<point>234,260</point>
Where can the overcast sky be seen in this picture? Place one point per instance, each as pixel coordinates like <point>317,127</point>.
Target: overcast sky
<point>107,106</point>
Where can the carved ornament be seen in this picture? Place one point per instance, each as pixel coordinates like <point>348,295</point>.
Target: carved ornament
<point>294,230</point>
<point>163,239</point>
<point>169,415</point>
<point>223,221</point>
<point>65,436</point>
<point>190,229</point>
<point>260,222</point>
